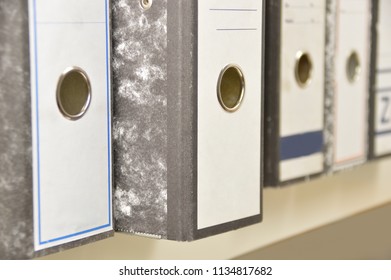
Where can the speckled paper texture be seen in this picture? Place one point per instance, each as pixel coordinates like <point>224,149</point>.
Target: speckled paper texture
<point>16,215</point>
<point>329,85</point>
<point>140,116</point>
<point>16,203</point>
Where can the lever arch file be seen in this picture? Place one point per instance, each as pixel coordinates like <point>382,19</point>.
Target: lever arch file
<point>294,93</point>
<point>381,121</point>
<point>187,116</point>
<point>55,189</point>
<point>350,82</point>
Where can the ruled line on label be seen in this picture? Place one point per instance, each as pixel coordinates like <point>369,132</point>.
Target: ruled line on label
<point>380,90</point>
<point>381,133</point>
<point>347,12</point>
<point>309,6</point>
<point>312,21</point>
<point>236,29</point>
<point>70,22</point>
<point>383,71</point>
<point>232,10</point>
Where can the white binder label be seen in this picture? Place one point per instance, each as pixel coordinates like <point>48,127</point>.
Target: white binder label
<point>229,143</point>
<point>351,82</point>
<point>302,88</point>
<point>383,82</point>
<point>71,158</point>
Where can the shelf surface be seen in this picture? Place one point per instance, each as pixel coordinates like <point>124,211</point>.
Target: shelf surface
<point>288,212</point>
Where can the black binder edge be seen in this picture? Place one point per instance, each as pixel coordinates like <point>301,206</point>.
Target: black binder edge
<point>372,81</point>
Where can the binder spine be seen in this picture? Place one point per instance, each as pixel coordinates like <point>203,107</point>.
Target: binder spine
<point>372,79</point>
<point>329,85</point>
<point>16,218</point>
<point>182,120</point>
<point>272,92</point>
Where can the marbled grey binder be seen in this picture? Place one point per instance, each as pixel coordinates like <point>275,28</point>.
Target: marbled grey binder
<point>155,121</point>
<point>16,185</point>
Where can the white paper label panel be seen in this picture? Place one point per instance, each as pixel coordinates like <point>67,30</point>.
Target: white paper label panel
<point>302,88</point>
<point>229,143</point>
<point>70,87</point>
<point>351,82</point>
<point>383,81</point>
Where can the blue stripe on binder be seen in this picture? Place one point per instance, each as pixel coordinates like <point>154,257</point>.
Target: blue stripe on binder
<point>301,145</point>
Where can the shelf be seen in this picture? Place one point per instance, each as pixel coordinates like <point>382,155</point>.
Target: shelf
<point>288,212</point>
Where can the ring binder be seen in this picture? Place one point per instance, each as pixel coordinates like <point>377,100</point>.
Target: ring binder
<point>49,201</point>
<point>294,86</point>
<point>187,134</point>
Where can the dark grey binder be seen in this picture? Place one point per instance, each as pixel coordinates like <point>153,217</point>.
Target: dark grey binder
<point>380,109</point>
<point>155,70</point>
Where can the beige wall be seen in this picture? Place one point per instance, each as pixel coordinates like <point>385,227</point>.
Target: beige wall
<point>364,236</point>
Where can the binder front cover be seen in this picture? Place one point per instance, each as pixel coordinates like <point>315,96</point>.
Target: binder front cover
<point>71,119</point>
<point>351,83</point>
<point>46,204</point>
<point>382,93</point>
<point>229,133</point>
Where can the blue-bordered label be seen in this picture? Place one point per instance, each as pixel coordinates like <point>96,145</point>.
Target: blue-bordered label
<point>71,159</point>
